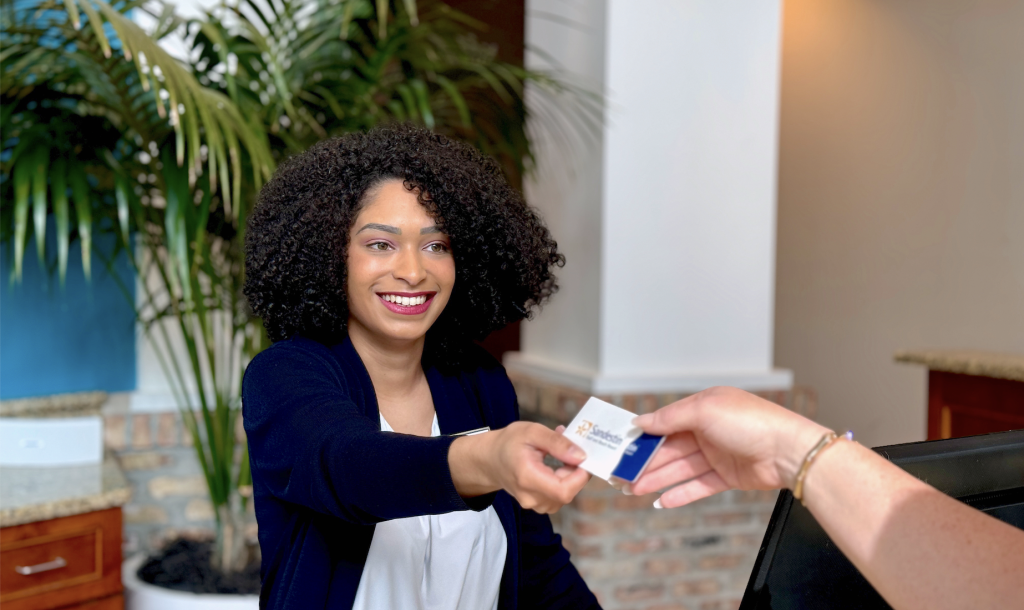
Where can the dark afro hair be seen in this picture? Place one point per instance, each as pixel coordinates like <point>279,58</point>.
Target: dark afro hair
<point>295,248</point>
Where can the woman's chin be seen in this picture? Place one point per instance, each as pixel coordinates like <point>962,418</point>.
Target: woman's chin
<point>402,332</point>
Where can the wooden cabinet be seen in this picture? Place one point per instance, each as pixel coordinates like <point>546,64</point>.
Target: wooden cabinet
<point>971,392</point>
<point>70,562</point>
<point>964,405</point>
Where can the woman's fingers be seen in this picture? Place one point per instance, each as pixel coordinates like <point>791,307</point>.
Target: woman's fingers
<point>556,445</point>
<point>545,490</point>
<point>677,417</point>
<point>677,471</point>
<point>695,489</point>
<point>563,471</point>
<point>676,446</point>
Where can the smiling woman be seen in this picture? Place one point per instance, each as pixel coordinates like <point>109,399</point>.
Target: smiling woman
<point>375,260</point>
<point>404,268</point>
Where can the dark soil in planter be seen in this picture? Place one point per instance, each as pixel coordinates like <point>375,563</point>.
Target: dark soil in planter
<point>184,565</point>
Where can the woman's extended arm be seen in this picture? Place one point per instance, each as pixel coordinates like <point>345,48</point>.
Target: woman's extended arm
<point>917,546</point>
<point>309,444</point>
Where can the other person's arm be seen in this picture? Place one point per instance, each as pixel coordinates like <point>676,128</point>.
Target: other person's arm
<point>917,546</point>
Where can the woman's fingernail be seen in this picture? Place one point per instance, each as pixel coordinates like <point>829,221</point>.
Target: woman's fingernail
<point>657,504</point>
<point>578,453</point>
<point>627,489</point>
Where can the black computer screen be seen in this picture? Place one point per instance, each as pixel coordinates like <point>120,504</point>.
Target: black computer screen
<point>798,566</point>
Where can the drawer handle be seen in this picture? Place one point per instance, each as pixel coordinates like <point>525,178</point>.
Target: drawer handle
<point>41,567</point>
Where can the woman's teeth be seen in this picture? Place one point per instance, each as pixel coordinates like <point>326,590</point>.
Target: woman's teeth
<point>405,301</point>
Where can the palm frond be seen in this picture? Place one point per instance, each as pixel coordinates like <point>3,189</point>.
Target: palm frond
<point>58,70</point>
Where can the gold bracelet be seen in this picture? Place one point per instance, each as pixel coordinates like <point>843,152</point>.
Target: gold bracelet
<point>825,442</point>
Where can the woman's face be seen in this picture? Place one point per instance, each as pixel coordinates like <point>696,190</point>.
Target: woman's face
<point>400,267</point>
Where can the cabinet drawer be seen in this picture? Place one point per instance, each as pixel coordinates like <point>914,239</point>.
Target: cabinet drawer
<point>61,561</point>
<point>51,562</point>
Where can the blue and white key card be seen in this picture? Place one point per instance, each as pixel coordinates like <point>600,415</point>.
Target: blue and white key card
<point>614,446</point>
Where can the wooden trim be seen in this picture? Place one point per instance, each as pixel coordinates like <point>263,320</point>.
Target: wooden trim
<point>1011,420</point>
<point>935,406</point>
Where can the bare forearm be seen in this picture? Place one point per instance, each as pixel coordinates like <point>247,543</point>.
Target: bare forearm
<point>917,546</point>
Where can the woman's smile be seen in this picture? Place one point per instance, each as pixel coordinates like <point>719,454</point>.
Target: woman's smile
<point>406,303</point>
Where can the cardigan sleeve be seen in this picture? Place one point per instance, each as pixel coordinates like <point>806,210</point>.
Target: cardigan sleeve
<point>549,580</point>
<point>310,444</point>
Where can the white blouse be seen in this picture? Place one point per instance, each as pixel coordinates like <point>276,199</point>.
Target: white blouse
<point>434,562</point>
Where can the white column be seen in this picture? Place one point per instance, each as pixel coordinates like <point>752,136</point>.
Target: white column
<point>667,215</point>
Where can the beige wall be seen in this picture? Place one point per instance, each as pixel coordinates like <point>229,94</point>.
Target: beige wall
<point>901,198</point>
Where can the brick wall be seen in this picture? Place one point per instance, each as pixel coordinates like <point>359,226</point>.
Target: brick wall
<point>633,556</point>
<point>169,496</point>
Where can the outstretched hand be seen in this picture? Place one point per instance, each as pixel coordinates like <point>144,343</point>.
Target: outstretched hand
<point>513,459</point>
<point>723,438</point>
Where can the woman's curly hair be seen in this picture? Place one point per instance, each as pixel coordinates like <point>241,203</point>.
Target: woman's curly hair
<point>297,240</point>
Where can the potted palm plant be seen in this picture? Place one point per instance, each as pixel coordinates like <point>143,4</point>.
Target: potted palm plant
<point>102,130</point>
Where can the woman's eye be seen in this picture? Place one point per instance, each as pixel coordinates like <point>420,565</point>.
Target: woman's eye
<point>379,246</point>
<point>437,247</point>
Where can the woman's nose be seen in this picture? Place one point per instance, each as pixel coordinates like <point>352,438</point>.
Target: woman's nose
<point>409,267</point>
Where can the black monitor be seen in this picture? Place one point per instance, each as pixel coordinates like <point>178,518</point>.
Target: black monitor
<point>799,566</point>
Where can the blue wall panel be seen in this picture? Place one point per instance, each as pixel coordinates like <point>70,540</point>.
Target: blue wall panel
<point>73,338</point>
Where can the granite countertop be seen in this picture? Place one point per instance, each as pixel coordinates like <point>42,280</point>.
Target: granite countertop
<point>967,362</point>
<point>76,404</point>
<point>30,494</point>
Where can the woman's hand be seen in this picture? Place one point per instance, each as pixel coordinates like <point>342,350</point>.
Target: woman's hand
<point>724,438</point>
<point>513,459</point>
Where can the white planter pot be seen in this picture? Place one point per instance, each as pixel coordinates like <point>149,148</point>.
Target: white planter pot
<point>140,595</point>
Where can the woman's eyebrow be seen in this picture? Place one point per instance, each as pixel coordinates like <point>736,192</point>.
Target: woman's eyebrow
<point>433,229</point>
<point>380,227</point>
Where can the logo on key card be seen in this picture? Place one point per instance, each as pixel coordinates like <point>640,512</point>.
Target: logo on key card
<point>589,431</point>
<point>584,428</point>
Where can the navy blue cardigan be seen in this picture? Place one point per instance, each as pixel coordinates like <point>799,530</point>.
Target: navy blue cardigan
<point>323,474</point>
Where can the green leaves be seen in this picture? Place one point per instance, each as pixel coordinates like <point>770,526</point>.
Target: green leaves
<point>59,187</point>
<point>98,105</point>
<point>192,109</point>
<point>80,195</point>
<point>96,24</point>
<point>176,228</point>
<point>72,8</point>
<point>40,158</point>
<point>121,194</point>
<point>382,18</point>
<point>360,63</point>
<point>22,177</point>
